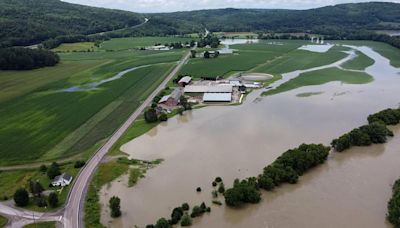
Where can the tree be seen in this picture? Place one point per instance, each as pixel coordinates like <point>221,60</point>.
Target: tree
<point>186,220</point>
<point>53,200</point>
<point>185,206</point>
<point>43,168</point>
<point>53,171</point>
<point>162,223</point>
<point>221,188</point>
<point>79,164</point>
<point>206,55</point>
<point>115,207</point>
<point>21,197</point>
<point>265,182</point>
<point>36,188</point>
<point>150,116</point>
<point>193,54</point>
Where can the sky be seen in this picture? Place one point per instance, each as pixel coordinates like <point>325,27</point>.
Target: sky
<point>151,6</point>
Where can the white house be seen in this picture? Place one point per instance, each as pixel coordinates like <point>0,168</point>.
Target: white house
<point>62,180</point>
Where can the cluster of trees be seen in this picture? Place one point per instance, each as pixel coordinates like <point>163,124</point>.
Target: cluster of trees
<point>394,206</point>
<point>21,196</point>
<point>208,40</point>
<point>181,215</point>
<point>26,59</point>
<point>57,41</point>
<point>285,169</point>
<point>375,132</point>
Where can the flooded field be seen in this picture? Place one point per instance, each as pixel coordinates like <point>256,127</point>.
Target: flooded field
<point>350,190</point>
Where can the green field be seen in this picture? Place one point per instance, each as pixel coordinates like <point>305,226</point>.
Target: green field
<point>76,47</point>
<point>386,50</point>
<point>249,57</point>
<point>139,42</point>
<point>321,77</point>
<point>359,63</point>
<point>40,122</point>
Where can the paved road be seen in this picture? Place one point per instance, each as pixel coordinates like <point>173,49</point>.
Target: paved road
<point>74,209</point>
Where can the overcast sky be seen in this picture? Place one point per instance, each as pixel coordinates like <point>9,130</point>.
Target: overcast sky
<point>146,6</point>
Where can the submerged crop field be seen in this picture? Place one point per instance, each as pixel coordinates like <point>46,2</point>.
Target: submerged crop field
<point>41,120</point>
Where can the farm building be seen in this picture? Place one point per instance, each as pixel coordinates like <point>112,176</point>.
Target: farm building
<point>217,97</point>
<point>185,81</point>
<point>62,180</point>
<point>172,99</point>
<point>208,89</point>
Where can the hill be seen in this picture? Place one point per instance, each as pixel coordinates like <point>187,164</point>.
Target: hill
<point>26,22</point>
<point>371,16</point>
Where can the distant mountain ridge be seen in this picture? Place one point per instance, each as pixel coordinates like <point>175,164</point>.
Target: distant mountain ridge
<point>372,15</point>
<point>25,22</point>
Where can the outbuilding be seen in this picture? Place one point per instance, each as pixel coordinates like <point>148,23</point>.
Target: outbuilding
<point>185,81</point>
<point>172,99</point>
<point>208,89</point>
<point>62,180</point>
<point>217,97</point>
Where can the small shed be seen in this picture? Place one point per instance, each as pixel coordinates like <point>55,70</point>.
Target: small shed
<point>62,180</point>
<point>217,97</point>
<point>172,99</point>
<point>185,81</point>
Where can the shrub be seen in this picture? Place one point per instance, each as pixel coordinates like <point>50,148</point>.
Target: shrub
<point>162,223</point>
<point>53,200</point>
<point>43,168</point>
<point>221,188</point>
<point>214,184</point>
<point>163,117</point>
<point>186,220</point>
<point>21,197</point>
<point>196,211</point>
<point>150,116</point>
<point>115,207</point>
<point>185,206</point>
<point>79,164</point>
<point>198,189</point>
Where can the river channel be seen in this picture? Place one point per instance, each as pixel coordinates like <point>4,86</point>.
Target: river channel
<point>350,190</point>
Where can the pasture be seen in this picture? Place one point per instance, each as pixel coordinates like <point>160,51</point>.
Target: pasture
<point>40,122</point>
<point>139,42</point>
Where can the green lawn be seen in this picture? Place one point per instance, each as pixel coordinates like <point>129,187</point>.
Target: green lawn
<point>42,225</point>
<point>73,47</point>
<point>321,77</point>
<point>386,50</point>
<point>249,56</point>
<point>361,62</point>
<point>3,221</point>
<point>138,42</point>
<point>38,123</point>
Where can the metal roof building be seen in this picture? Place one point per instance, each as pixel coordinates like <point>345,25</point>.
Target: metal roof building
<point>186,80</point>
<point>208,89</point>
<point>217,97</point>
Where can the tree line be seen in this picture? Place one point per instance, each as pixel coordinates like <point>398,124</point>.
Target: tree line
<point>393,215</point>
<point>26,59</point>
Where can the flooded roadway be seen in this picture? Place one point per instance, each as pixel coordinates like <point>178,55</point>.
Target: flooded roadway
<point>350,190</point>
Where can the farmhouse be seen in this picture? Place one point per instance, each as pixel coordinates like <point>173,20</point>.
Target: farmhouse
<point>62,180</point>
<point>172,99</point>
<point>185,81</point>
<point>217,97</point>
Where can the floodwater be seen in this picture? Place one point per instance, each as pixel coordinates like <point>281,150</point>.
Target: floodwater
<point>227,42</point>
<point>317,48</point>
<point>350,190</point>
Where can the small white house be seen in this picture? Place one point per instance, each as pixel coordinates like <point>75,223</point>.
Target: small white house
<point>62,180</point>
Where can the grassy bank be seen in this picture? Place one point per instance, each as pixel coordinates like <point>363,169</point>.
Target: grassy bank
<point>41,225</point>
<point>321,77</point>
<point>3,221</point>
<point>359,63</point>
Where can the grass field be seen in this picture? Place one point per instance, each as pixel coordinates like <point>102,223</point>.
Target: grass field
<point>138,42</point>
<point>3,221</point>
<point>249,57</point>
<point>42,225</point>
<point>39,123</point>
<point>321,77</point>
<point>386,50</point>
<point>359,63</point>
<point>73,47</point>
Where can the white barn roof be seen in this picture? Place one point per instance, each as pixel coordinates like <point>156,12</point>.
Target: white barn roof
<point>208,89</point>
<point>217,97</point>
<point>185,79</point>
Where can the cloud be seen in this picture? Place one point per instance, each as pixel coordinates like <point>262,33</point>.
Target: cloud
<point>146,6</point>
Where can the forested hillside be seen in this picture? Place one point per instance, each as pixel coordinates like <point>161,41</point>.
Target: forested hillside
<point>346,16</point>
<point>25,22</point>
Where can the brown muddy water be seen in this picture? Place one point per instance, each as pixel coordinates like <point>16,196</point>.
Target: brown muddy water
<point>350,190</point>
